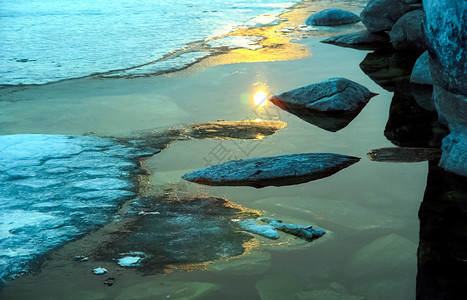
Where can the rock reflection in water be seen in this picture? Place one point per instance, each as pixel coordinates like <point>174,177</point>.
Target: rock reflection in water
<point>388,68</point>
<point>442,253</point>
<point>410,125</point>
<point>169,232</point>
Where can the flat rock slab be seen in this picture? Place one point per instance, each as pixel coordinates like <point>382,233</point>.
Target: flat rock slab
<point>250,129</point>
<point>363,40</point>
<point>404,154</point>
<point>330,104</point>
<point>276,170</point>
<point>332,17</point>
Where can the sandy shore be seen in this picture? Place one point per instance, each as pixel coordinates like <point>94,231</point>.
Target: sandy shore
<point>357,206</point>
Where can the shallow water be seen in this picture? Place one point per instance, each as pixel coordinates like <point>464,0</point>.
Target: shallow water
<point>368,202</point>
<point>368,210</point>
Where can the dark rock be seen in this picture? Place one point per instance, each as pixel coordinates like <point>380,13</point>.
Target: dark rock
<point>404,154</point>
<point>446,36</point>
<point>388,68</point>
<point>331,104</point>
<point>454,156</point>
<point>423,95</point>
<point>407,34</point>
<point>442,269</point>
<point>381,15</point>
<point>331,17</point>
<point>276,170</point>
<point>421,71</point>
<point>363,40</point>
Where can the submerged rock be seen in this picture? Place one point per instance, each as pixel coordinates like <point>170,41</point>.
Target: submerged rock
<point>364,40</point>
<point>276,170</point>
<point>332,17</point>
<point>380,15</point>
<point>252,129</point>
<point>157,288</point>
<point>331,104</point>
<point>421,73</point>
<point>185,231</point>
<point>391,253</point>
<point>404,154</point>
<point>407,33</point>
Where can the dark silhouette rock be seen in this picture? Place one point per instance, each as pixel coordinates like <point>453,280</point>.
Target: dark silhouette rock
<point>332,17</point>
<point>446,36</point>
<point>407,34</point>
<point>276,170</point>
<point>442,251</point>
<point>331,104</point>
<point>381,15</point>
<point>421,73</point>
<point>363,40</point>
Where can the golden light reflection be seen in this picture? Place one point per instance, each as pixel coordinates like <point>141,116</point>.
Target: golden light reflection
<point>260,98</point>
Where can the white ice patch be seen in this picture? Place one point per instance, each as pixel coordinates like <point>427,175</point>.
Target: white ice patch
<point>263,230</point>
<point>130,261</point>
<point>55,188</point>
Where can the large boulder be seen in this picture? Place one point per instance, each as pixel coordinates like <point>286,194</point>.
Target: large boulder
<point>276,170</point>
<point>407,33</point>
<point>332,17</point>
<point>329,104</point>
<point>446,35</point>
<point>421,71</point>
<point>381,15</point>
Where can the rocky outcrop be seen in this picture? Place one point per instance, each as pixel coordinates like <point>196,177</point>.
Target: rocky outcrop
<point>381,15</point>
<point>332,17</point>
<point>407,33</point>
<point>421,71</point>
<point>276,170</point>
<point>364,40</point>
<point>319,103</point>
<point>446,37</point>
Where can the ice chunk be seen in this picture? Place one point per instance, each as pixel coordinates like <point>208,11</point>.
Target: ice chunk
<point>130,261</point>
<point>263,230</point>
<point>99,271</point>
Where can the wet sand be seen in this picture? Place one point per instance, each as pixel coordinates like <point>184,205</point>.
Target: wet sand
<point>360,207</point>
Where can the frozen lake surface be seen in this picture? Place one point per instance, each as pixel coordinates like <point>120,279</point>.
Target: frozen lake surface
<point>55,188</point>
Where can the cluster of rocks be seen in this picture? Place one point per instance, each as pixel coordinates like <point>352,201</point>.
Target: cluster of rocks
<point>433,31</point>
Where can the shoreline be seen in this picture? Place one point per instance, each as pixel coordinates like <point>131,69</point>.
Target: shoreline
<point>277,44</point>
